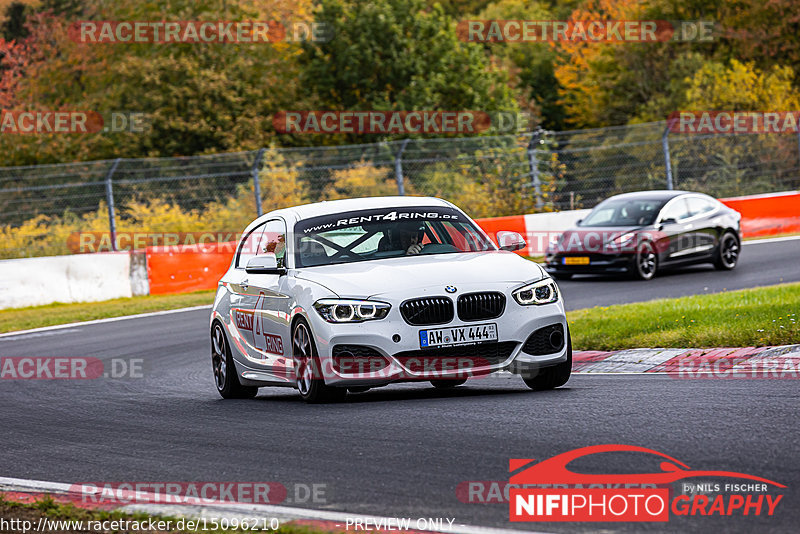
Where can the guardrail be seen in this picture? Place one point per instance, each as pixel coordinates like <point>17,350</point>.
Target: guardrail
<point>154,270</point>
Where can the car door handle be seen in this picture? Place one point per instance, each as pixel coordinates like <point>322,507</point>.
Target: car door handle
<point>244,285</point>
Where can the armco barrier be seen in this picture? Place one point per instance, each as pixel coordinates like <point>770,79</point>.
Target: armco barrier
<point>101,276</point>
<point>537,228</point>
<point>200,267</point>
<point>762,215</point>
<point>187,268</point>
<point>75,278</point>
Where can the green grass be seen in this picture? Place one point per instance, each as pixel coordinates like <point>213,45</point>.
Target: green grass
<point>53,510</point>
<point>59,313</point>
<point>756,238</point>
<point>750,317</point>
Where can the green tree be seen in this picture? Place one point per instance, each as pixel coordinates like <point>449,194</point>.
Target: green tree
<point>398,55</point>
<point>531,64</point>
<point>198,98</point>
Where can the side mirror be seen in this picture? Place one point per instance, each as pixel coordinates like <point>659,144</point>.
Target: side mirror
<point>510,241</point>
<point>669,220</point>
<point>264,264</point>
<point>578,221</point>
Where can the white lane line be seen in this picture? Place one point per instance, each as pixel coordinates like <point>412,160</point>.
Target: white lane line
<point>771,240</point>
<point>101,321</point>
<point>46,334</point>
<point>238,510</point>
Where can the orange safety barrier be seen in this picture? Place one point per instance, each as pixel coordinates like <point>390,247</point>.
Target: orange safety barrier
<point>187,268</point>
<point>511,223</point>
<point>762,215</point>
<point>182,269</point>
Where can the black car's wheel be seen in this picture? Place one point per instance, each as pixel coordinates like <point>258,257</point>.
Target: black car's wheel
<point>727,252</point>
<point>308,371</point>
<point>447,384</point>
<point>561,276</point>
<point>646,262</point>
<point>553,376</point>
<point>225,378</point>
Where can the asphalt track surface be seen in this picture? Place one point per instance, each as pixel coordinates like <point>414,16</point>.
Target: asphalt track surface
<point>402,450</point>
<point>760,264</point>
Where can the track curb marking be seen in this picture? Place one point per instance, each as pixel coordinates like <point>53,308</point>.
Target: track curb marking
<point>675,361</point>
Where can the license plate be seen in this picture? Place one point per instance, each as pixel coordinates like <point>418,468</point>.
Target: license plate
<point>457,335</point>
<point>576,260</point>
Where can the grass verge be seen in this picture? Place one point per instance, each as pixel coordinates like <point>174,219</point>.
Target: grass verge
<point>756,238</point>
<point>14,319</point>
<point>750,317</point>
<point>745,318</point>
<point>137,523</point>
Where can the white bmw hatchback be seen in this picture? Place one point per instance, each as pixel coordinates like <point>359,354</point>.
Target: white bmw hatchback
<point>360,293</point>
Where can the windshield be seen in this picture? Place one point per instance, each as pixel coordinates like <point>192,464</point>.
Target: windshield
<point>624,212</point>
<point>385,233</point>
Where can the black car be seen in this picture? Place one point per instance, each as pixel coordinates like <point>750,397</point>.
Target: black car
<point>640,233</point>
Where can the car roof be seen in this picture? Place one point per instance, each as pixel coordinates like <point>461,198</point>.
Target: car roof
<point>330,207</point>
<point>659,194</point>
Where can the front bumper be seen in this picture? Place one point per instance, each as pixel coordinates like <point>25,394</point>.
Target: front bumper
<point>598,263</point>
<point>398,344</point>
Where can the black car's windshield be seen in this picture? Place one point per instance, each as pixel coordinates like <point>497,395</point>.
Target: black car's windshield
<point>624,212</point>
<point>385,233</point>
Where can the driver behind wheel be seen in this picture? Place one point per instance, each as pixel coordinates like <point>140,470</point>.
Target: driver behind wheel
<point>406,236</point>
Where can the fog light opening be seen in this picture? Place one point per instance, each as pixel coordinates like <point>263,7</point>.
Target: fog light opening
<point>556,339</point>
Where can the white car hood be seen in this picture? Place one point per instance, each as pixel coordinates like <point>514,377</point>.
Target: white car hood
<point>376,277</point>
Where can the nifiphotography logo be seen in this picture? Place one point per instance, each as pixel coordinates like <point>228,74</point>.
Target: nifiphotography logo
<point>550,491</point>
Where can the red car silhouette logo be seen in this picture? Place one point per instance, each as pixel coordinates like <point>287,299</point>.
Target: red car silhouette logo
<point>554,470</point>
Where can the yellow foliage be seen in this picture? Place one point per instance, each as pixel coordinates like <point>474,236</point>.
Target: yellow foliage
<point>581,63</point>
<point>361,181</point>
<point>281,186</point>
<point>47,236</point>
<point>458,188</point>
<point>158,215</point>
<point>742,87</point>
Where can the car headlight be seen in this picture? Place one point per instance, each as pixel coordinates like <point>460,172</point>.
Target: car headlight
<point>624,239</point>
<point>351,311</point>
<point>542,292</point>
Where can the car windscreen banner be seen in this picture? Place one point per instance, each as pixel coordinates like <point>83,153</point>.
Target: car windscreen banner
<point>383,216</point>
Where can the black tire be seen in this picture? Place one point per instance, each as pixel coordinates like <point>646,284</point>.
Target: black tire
<point>447,384</point>
<point>224,370</point>
<point>561,276</point>
<point>646,262</point>
<point>553,376</point>
<point>727,255</point>
<point>309,378</point>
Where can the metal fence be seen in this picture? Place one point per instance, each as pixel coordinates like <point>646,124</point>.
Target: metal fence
<point>487,176</point>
